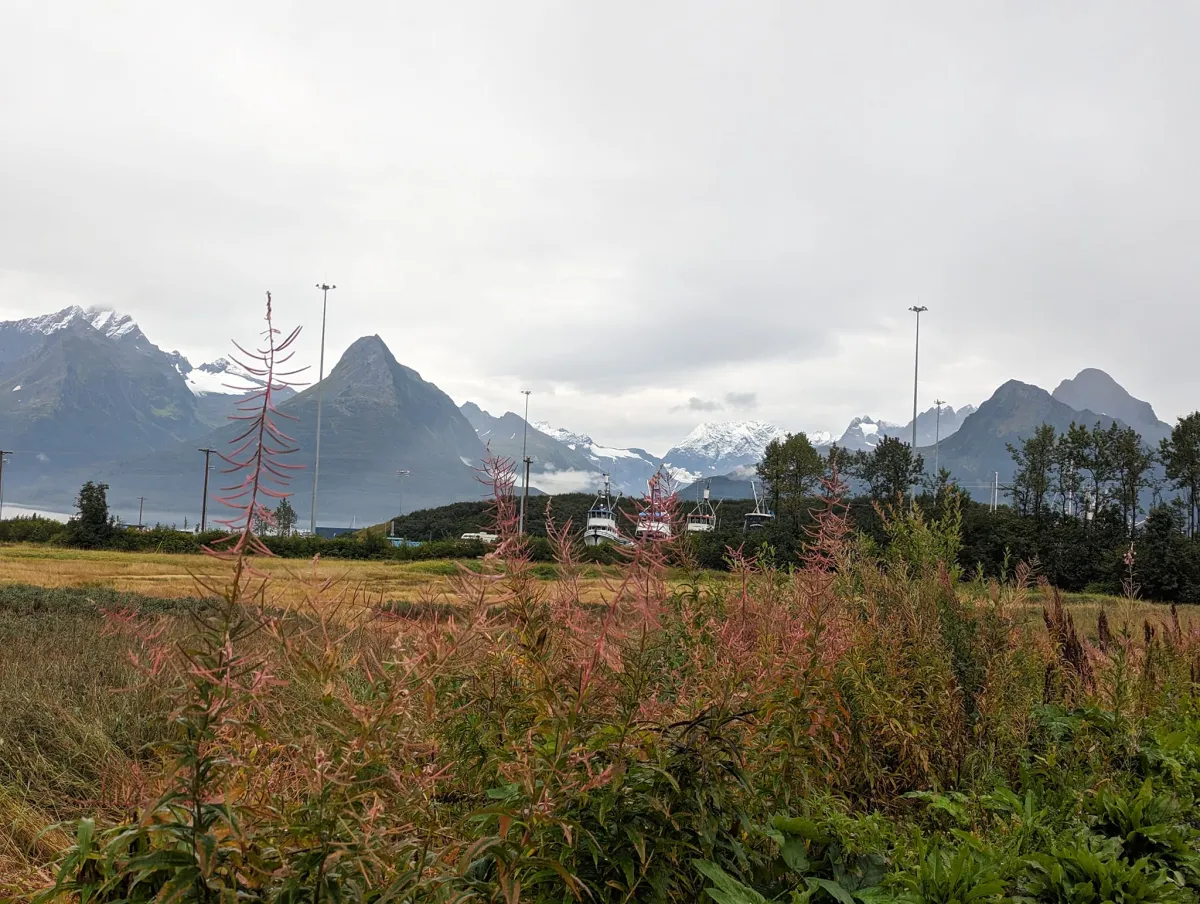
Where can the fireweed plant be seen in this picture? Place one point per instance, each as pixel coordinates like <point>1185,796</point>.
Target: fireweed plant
<point>861,726</point>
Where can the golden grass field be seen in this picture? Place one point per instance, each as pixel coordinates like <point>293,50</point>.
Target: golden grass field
<point>172,576</point>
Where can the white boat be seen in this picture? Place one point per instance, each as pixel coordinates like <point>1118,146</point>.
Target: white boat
<point>482,536</point>
<point>761,516</point>
<point>602,521</point>
<point>703,518</point>
<point>654,521</point>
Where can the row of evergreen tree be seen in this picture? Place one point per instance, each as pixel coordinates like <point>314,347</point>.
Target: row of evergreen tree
<point>1077,501</point>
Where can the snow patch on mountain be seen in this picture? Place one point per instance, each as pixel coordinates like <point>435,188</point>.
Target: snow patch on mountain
<point>865,433</point>
<point>820,437</point>
<point>220,377</point>
<point>566,437</point>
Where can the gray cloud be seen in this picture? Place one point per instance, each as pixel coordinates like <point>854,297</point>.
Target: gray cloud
<point>753,200</point>
<point>741,399</point>
<point>697,404</point>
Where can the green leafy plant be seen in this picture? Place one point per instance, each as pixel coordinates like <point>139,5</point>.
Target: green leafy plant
<point>963,875</point>
<point>1090,871</point>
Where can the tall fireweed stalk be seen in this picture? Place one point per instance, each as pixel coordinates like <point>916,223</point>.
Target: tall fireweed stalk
<point>559,732</point>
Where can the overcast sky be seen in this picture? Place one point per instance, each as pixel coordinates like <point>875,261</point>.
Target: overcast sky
<point>650,214</point>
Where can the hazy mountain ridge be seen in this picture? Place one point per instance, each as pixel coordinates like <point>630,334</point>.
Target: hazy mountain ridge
<point>555,466</point>
<point>628,469</point>
<point>978,451</point>
<point>1094,390</point>
<point>81,387</point>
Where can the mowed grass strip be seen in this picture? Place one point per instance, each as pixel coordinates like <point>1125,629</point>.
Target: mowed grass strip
<point>176,576</point>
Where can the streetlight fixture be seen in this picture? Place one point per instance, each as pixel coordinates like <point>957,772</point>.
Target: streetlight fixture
<point>916,309</point>
<point>324,287</point>
<point>525,459</point>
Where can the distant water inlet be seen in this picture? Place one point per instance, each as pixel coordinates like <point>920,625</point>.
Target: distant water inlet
<point>16,510</point>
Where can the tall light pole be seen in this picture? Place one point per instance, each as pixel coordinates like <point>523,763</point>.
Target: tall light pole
<point>525,459</point>
<point>320,397</point>
<point>401,473</point>
<point>141,503</point>
<point>204,503</point>
<point>937,437</point>
<point>916,309</point>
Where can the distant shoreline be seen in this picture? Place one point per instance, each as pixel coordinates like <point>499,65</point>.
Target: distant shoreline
<point>16,510</point>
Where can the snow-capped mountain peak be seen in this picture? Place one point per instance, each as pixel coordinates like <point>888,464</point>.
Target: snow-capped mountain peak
<point>717,448</point>
<point>729,438</point>
<point>112,324</point>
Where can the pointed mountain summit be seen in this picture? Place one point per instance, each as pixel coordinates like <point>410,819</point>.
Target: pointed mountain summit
<point>378,417</point>
<point>979,448</point>
<point>1094,390</point>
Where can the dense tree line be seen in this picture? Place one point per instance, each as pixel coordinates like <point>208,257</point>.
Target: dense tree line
<point>1078,501</point>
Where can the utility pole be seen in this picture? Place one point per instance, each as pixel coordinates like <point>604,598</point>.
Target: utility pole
<point>324,287</point>
<point>401,474</point>
<point>141,503</point>
<point>2,454</point>
<point>937,438</point>
<point>204,504</point>
<point>525,494</point>
<point>524,458</point>
<point>916,309</point>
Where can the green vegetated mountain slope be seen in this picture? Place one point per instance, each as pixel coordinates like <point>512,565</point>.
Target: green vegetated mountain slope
<point>378,417</point>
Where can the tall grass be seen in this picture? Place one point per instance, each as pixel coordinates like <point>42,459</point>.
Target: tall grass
<point>858,727</point>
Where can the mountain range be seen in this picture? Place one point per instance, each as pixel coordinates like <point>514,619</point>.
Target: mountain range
<point>84,394</point>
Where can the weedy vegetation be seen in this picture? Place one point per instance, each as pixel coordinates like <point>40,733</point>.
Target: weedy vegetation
<point>863,726</point>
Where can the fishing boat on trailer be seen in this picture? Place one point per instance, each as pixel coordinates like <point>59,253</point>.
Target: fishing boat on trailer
<point>761,516</point>
<point>602,521</point>
<point>703,518</point>
<point>654,521</point>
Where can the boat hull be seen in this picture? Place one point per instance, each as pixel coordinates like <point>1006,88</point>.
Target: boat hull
<point>597,536</point>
